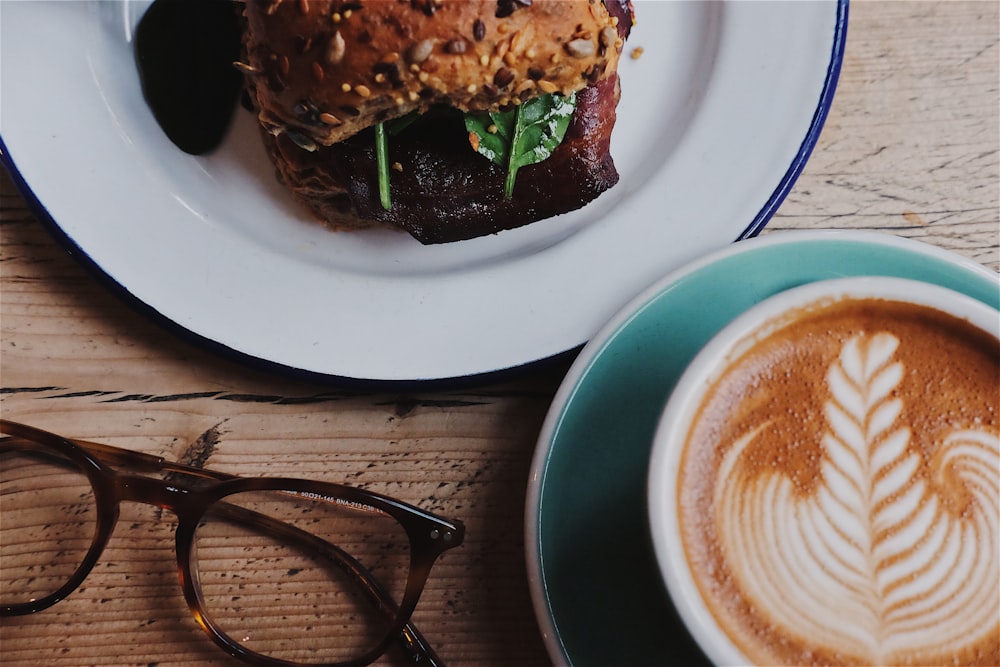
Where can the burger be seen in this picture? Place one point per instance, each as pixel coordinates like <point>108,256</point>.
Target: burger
<point>449,119</point>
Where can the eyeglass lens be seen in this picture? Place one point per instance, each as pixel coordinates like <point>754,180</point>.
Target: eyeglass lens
<point>49,521</point>
<point>288,596</point>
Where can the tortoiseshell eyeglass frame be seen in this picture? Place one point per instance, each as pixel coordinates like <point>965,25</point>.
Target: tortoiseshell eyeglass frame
<point>105,466</point>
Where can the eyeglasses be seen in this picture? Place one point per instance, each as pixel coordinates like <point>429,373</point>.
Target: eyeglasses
<point>277,571</point>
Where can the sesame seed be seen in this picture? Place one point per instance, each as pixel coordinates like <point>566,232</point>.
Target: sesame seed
<point>363,90</point>
<point>547,86</point>
<point>515,41</point>
<point>492,129</point>
<point>329,119</point>
<point>471,89</point>
<point>520,39</point>
<point>397,167</point>
<point>317,71</point>
<point>346,87</point>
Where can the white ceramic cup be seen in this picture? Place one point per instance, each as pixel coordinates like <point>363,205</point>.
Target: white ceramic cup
<point>757,323</point>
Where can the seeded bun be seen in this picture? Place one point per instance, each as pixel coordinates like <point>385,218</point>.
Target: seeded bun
<point>323,70</point>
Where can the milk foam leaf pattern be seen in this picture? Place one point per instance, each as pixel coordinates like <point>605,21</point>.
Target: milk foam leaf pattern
<point>526,134</point>
<point>874,560</point>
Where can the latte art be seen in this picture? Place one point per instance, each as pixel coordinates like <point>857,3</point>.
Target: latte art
<point>838,492</point>
<point>871,564</point>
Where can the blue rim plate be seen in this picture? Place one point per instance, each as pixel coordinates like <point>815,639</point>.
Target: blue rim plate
<point>594,582</point>
<point>717,118</point>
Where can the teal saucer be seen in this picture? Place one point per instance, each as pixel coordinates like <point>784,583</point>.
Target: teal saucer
<point>598,595</point>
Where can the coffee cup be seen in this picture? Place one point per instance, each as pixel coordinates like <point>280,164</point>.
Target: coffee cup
<point>823,483</point>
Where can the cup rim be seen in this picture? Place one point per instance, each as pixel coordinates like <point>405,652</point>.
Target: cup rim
<point>758,322</point>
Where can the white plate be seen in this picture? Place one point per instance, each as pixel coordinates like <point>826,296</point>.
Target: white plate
<point>717,119</point>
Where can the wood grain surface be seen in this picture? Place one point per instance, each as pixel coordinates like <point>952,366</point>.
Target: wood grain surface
<point>911,148</point>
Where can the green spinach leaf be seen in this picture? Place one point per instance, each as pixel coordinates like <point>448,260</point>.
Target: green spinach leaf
<point>525,135</point>
<point>382,161</point>
<point>383,131</point>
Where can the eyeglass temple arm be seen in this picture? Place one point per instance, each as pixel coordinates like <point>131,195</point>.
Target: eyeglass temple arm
<point>410,639</point>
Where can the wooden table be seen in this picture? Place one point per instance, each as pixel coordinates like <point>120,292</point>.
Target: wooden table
<point>910,148</point>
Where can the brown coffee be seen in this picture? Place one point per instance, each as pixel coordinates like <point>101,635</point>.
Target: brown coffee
<point>839,490</point>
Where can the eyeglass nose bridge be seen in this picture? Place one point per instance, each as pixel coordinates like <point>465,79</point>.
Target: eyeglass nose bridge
<point>187,505</point>
<point>180,501</point>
